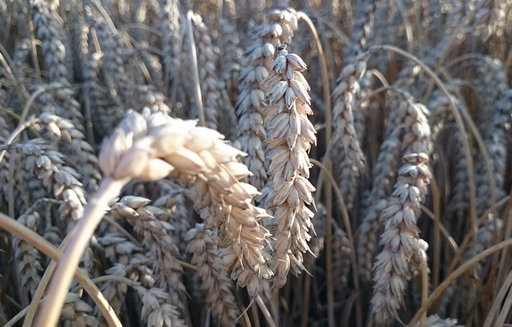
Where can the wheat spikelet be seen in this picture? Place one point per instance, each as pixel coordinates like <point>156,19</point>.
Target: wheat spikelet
<point>216,288</point>
<point>258,59</point>
<point>117,248</point>
<point>146,96</point>
<point>27,257</point>
<point>290,135</point>
<point>75,312</point>
<point>155,309</point>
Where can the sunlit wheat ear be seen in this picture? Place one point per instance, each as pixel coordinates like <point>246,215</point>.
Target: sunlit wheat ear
<point>216,287</point>
<point>154,146</point>
<point>290,135</point>
<point>257,63</point>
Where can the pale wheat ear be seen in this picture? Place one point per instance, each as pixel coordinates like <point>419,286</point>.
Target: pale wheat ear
<point>290,135</point>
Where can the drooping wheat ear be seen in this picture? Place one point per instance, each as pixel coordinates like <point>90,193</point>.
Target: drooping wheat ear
<point>257,63</point>
<point>454,17</point>
<point>4,163</point>
<point>347,150</point>
<point>490,83</point>
<point>400,238</point>
<point>115,291</point>
<point>75,312</point>
<point>27,257</point>
<point>169,17</point>
<point>290,135</point>
<point>216,287</point>
<point>156,238</point>
<point>154,146</point>
<point>207,61</point>
<point>457,209</point>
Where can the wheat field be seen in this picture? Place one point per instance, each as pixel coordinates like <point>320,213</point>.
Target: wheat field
<point>255,163</point>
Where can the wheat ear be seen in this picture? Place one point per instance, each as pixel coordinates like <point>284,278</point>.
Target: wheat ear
<point>150,148</point>
<point>290,135</point>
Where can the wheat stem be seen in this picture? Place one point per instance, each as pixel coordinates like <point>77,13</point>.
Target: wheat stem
<point>44,246</point>
<point>195,71</point>
<point>79,238</point>
<point>455,274</point>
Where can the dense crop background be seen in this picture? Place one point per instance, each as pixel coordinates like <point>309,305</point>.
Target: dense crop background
<point>374,136</point>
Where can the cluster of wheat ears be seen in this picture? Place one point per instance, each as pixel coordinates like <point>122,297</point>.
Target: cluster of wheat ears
<point>255,163</point>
